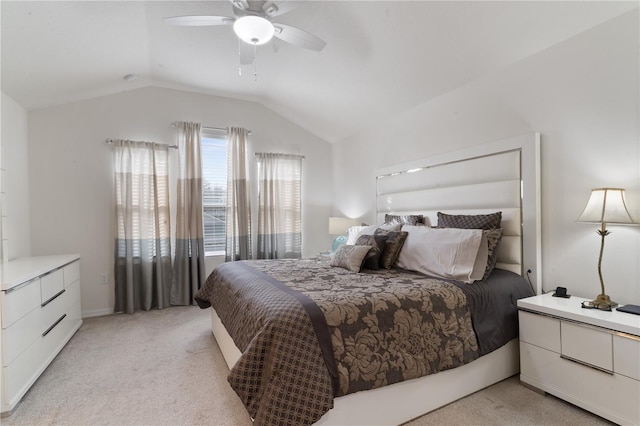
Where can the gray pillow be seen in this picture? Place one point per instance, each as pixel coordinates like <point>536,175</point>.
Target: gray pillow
<point>377,242</point>
<point>350,257</point>
<point>475,221</point>
<point>392,247</point>
<point>407,219</point>
<point>493,239</point>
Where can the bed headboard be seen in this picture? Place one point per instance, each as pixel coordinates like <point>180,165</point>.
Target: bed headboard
<point>499,176</point>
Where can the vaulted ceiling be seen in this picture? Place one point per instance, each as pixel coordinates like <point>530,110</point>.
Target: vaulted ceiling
<point>381,57</point>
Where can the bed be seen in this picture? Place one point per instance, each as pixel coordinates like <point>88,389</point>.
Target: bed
<point>302,342</point>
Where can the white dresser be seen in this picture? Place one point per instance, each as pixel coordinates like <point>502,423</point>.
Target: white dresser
<point>40,308</point>
<point>588,357</point>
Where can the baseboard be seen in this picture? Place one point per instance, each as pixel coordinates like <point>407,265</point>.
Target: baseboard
<point>97,313</point>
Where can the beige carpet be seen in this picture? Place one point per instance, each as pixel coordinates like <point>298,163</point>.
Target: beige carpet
<point>164,368</point>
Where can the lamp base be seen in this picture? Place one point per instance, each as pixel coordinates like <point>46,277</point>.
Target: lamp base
<point>340,240</point>
<point>603,302</point>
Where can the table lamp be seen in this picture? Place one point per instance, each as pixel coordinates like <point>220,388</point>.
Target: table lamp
<point>340,226</point>
<point>606,205</point>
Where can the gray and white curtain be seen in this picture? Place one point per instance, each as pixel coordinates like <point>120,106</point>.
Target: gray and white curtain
<point>142,236</point>
<point>238,216</point>
<point>188,265</point>
<point>279,206</point>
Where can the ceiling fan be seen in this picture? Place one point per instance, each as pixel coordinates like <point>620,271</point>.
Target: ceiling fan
<point>252,23</point>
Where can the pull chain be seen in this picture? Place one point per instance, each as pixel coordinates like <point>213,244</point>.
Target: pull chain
<point>239,58</point>
<point>255,62</point>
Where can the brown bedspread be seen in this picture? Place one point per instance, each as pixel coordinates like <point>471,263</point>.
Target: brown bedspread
<point>374,329</point>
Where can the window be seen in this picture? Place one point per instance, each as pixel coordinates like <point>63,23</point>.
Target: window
<point>214,190</point>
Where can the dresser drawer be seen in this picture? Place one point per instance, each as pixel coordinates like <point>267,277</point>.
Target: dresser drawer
<point>21,335</point>
<point>626,355</point>
<point>71,273</point>
<point>587,344</point>
<point>19,301</point>
<point>540,330</point>
<point>26,330</point>
<point>25,370</point>
<point>51,284</point>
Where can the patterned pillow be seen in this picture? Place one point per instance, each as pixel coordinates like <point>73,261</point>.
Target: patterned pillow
<point>407,219</point>
<point>476,221</point>
<point>350,257</point>
<point>377,242</point>
<point>493,239</point>
<point>392,247</point>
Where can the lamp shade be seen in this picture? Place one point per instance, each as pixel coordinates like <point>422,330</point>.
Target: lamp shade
<point>340,225</point>
<point>606,205</point>
<point>253,29</point>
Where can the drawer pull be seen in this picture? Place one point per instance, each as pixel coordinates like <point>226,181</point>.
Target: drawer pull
<point>54,325</point>
<point>586,364</point>
<point>21,285</point>
<point>52,298</point>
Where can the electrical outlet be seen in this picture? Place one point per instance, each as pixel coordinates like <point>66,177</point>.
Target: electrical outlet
<point>104,279</point>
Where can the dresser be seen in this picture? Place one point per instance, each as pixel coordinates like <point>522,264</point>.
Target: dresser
<point>588,357</point>
<point>40,308</point>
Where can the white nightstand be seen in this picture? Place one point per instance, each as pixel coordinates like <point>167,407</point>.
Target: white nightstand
<point>587,357</point>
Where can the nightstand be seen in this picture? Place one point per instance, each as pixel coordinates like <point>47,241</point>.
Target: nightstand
<point>325,255</point>
<point>588,357</point>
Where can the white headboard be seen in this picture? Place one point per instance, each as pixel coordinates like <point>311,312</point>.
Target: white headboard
<point>499,176</point>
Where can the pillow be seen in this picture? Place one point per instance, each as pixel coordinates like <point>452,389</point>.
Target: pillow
<point>476,221</point>
<point>446,253</point>
<point>493,239</point>
<point>480,263</point>
<point>350,257</point>
<point>377,242</point>
<point>407,219</point>
<point>356,231</point>
<point>392,247</point>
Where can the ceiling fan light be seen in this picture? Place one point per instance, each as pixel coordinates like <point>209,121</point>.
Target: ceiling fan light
<point>253,29</point>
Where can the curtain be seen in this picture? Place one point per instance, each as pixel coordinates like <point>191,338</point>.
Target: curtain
<point>143,244</point>
<point>188,264</point>
<point>238,219</point>
<point>279,206</point>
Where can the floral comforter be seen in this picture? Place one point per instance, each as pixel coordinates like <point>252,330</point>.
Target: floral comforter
<point>309,332</point>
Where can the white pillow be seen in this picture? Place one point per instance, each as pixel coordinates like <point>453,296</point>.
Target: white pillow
<point>356,231</point>
<point>480,265</point>
<point>451,253</point>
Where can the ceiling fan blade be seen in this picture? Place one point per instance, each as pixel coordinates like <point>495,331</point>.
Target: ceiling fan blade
<point>240,4</point>
<point>277,8</point>
<point>247,53</point>
<point>298,37</point>
<point>198,21</point>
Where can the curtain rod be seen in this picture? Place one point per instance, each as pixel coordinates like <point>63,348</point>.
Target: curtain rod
<point>222,129</point>
<point>263,154</point>
<point>110,141</point>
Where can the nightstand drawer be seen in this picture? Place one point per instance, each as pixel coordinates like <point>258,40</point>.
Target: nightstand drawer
<point>626,355</point>
<point>587,345</point>
<point>540,330</point>
<point>612,396</point>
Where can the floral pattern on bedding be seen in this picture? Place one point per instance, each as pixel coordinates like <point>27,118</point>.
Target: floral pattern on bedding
<point>385,326</point>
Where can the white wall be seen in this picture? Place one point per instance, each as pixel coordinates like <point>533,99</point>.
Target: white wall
<point>71,172</point>
<point>15,163</point>
<point>582,95</point>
